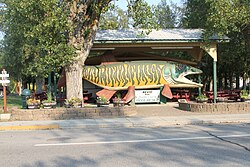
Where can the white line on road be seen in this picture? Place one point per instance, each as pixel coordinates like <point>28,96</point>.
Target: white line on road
<point>140,141</point>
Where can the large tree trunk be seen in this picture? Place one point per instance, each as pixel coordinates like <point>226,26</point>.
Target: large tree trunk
<point>74,80</point>
<point>83,18</point>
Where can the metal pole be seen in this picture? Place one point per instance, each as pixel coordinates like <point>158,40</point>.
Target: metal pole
<point>49,85</point>
<point>215,81</point>
<point>55,86</point>
<point>199,89</point>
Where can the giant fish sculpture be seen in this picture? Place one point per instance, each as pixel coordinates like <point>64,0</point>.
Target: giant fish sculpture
<point>140,75</point>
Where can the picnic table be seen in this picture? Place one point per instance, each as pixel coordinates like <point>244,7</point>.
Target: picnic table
<point>224,94</point>
<point>181,94</point>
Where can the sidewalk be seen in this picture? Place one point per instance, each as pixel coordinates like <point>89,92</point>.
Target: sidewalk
<point>137,121</point>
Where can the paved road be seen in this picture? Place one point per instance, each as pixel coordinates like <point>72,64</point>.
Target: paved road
<point>201,145</point>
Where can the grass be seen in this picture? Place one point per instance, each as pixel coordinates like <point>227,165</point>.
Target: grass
<point>12,100</point>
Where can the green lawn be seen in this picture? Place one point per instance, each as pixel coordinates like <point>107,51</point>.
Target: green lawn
<point>12,100</point>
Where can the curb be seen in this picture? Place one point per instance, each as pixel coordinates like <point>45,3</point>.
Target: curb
<point>29,127</point>
<point>128,124</point>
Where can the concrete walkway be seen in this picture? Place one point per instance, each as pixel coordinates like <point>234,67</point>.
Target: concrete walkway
<point>138,121</point>
<point>147,116</point>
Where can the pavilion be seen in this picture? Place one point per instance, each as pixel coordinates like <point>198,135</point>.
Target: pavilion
<point>139,44</point>
<point>134,44</point>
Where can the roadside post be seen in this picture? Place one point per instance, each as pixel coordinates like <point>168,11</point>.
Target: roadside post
<point>4,83</point>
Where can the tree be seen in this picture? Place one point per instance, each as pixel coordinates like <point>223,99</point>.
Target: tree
<point>228,18</point>
<point>166,16</point>
<point>34,43</point>
<point>43,32</point>
<point>232,18</point>
<point>1,55</point>
<point>194,17</point>
<point>195,14</point>
<point>141,15</point>
<point>114,18</point>
<point>83,17</point>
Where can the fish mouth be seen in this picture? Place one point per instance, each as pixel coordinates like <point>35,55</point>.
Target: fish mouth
<point>183,79</point>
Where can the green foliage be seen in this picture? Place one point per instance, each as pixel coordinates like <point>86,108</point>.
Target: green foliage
<point>195,14</point>
<point>114,18</point>
<point>141,14</point>
<point>73,101</point>
<point>36,37</point>
<point>49,98</point>
<point>244,94</point>
<point>166,16</point>
<point>12,100</point>
<point>1,55</point>
<point>231,18</point>
<point>228,15</point>
<point>201,97</point>
<point>225,17</point>
<point>102,99</point>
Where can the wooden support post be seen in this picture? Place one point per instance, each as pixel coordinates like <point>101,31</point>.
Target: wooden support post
<point>4,99</point>
<point>4,75</point>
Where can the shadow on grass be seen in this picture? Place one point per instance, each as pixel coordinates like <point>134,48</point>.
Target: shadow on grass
<point>13,100</point>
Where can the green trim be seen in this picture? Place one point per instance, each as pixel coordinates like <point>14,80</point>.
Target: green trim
<point>215,81</point>
<point>199,89</point>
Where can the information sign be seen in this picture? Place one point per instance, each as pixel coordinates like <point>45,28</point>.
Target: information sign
<point>4,81</point>
<point>4,75</point>
<point>147,96</point>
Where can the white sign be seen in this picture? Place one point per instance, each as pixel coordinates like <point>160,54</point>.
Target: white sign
<point>147,96</point>
<point>4,75</point>
<point>4,81</point>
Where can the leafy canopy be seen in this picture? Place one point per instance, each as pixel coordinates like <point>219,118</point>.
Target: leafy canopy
<point>35,37</point>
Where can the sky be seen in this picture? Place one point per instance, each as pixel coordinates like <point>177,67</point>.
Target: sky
<point>123,4</point>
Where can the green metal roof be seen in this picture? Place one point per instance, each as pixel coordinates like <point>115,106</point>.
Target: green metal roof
<point>130,35</point>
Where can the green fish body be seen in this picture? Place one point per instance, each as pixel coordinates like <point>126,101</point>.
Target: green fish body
<point>141,74</point>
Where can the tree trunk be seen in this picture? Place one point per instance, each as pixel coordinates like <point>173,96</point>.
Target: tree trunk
<point>211,85</point>
<point>244,82</point>
<point>74,80</point>
<point>225,82</point>
<point>231,82</point>
<point>40,85</point>
<point>237,82</point>
<point>220,83</point>
<point>205,80</point>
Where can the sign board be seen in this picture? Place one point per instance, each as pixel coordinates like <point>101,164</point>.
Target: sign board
<point>4,75</point>
<point>147,96</point>
<point>4,81</point>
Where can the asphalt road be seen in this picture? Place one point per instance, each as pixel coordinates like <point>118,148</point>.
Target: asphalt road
<point>201,145</point>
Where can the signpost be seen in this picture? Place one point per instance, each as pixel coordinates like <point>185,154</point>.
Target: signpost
<point>4,82</point>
